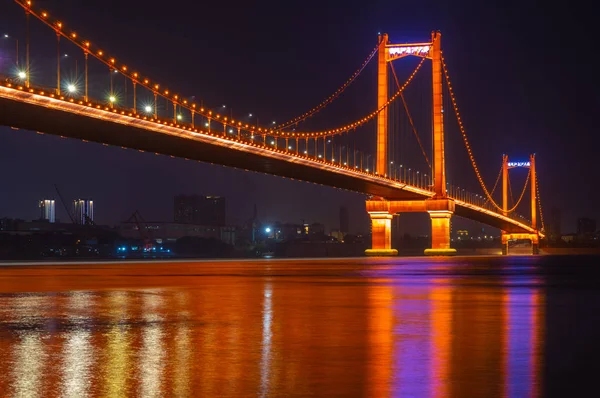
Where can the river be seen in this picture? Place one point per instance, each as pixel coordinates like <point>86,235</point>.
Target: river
<point>420,327</point>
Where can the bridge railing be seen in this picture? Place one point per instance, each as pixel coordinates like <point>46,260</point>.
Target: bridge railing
<point>397,173</point>
<point>356,163</point>
<point>458,193</point>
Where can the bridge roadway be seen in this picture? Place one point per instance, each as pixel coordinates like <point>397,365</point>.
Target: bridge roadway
<point>32,111</point>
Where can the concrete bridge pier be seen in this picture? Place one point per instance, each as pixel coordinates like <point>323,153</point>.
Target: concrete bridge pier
<point>381,228</point>
<point>534,238</point>
<point>440,211</point>
<point>382,211</point>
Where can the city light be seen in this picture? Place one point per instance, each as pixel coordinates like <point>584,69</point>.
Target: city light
<point>71,88</point>
<point>112,98</point>
<point>290,147</point>
<point>179,117</point>
<point>6,36</point>
<point>272,142</point>
<point>206,124</point>
<point>268,230</point>
<point>250,115</point>
<point>22,74</point>
<point>148,108</point>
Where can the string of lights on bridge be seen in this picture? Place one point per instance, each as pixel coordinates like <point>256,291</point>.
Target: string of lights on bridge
<point>135,78</point>
<point>418,180</point>
<point>331,98</point>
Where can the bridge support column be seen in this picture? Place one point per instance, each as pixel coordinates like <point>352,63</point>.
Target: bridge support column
<point>534,238</point>
<point>535,244</point>
<point>440,211</point>
<point>381,228</point>
<point>505,238</point>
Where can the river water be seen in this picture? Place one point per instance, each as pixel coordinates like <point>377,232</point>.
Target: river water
<point>460,327</point>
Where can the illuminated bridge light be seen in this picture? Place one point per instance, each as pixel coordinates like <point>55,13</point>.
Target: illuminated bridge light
<point>272,142</point>
<point>112,98</point>
<point>179,117</point>
<point>22,75</point>
<point>148,108</point>
<point>71,88</point>
<point>519,164</point>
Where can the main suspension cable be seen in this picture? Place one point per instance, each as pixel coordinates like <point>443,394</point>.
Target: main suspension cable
<point>510,191</point>
<point>332,97</point>
<point>410,119</point>
<point>522,194</point>
<point>496,184</point>
<point>465,139</point>
<point>358,122</point>
<point>539,200</point>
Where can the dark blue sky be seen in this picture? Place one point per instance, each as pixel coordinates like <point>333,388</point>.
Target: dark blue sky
<point>521,73</point>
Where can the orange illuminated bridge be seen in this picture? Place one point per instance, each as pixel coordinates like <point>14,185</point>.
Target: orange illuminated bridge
<point>206,136</point>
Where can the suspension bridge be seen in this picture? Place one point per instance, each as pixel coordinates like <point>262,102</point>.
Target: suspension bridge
<point>131,110</point>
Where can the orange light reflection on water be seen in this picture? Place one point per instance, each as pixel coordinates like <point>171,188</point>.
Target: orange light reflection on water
<point>241,328</point>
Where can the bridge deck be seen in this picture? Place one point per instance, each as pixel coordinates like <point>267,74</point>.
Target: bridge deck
<point>24,110</point>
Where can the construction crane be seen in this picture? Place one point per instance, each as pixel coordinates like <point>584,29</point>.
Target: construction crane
<point>145,234</point>
<point>64,204</point>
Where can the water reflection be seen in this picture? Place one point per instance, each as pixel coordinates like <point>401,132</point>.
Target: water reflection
<point>151,358</point>
<point>347,334</point>
<point>28,367</point>
<point>265,361</point>
<point>77,353</point>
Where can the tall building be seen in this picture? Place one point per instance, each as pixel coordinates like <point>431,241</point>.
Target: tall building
<point>47,210</point>
<point>553,224</point>
<point>83,211</point>
<point>586,226</point>
<point>344,220</point>
<point>199,210</point>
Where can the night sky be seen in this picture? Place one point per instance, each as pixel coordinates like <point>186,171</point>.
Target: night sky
<point>522,74</point>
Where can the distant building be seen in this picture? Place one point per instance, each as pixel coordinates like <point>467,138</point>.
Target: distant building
<point>553,224</point>
<point>200,210</point>
<point>47,210</point>
<point>462,234</point>
<point>164,232</point>
<point>344,220</point>
<point>83,211</point>
<point>338,235</point>
<point>586,226</point>
<point>316,229</point>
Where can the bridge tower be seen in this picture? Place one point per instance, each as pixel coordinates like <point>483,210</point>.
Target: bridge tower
<point>533,237</point>
<point>439,207</point>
